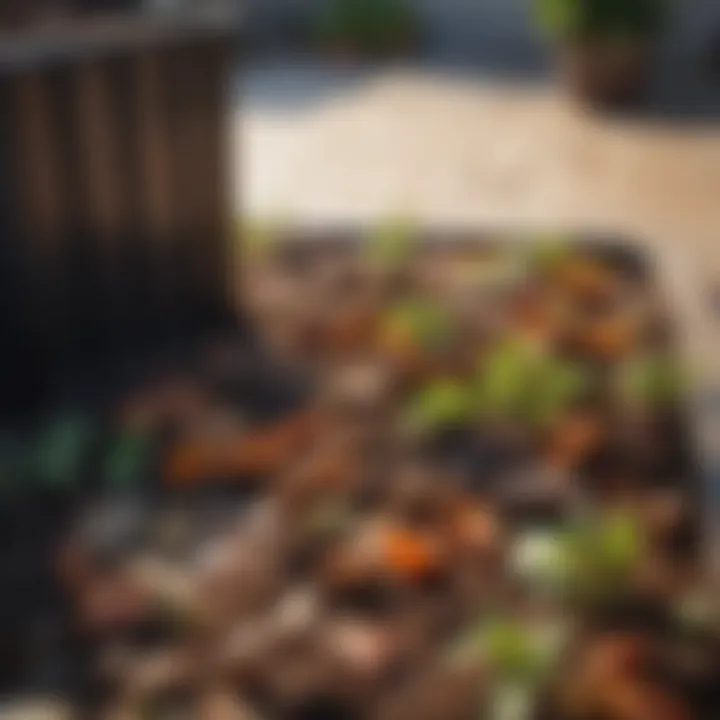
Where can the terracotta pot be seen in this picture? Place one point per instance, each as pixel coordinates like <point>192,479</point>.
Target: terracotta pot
<point>606,73</point>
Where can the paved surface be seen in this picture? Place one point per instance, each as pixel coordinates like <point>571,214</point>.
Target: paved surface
<point>448,145</point>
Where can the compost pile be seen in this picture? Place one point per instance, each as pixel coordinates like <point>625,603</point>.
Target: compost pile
<point>443,481</point>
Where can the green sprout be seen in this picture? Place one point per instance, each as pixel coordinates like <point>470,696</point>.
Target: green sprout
<point>548,253</point>
<point>504,379</point>
<point>518,382</point>
<point>61,451</point>
<point>427,323</point>
<point>558,385</point>
<point>603,555</point>
<point>128,460</point>
<point>590,561</point>
<point>392,244</point>
<point>652,382</point>
<point>515,651</point>
<point>442,405</point>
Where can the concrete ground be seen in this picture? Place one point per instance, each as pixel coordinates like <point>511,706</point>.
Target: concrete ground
<point>320,143</point>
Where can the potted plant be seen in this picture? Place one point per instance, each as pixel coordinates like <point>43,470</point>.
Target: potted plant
<point>352,29</point>
<point>606,46</point>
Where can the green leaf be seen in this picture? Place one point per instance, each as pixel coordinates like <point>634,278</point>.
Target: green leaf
<point>61,451</point>
<point>517,381</point>
<point>603,555</point>
<point>548,253</point>
<point>653,382</point>
<point>620,542</point>
<point>515,651</point>
<point>128,460</point>
<point>429,324</point>
<point>509,649</point>
<point>444,404</point>
<point>504,379</point>
<point>557,385</point>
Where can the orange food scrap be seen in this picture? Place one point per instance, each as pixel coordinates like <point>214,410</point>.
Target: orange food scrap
<point>411,555</point>
<point>260,452</point>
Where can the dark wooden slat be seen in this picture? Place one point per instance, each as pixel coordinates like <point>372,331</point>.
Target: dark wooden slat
<point>213,168</point>
<point>103,211</point>
<point>40,192</point>
<point>186,129</point>
<point>153,154</point>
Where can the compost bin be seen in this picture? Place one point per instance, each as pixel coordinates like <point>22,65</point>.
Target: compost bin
<point>112,193</point>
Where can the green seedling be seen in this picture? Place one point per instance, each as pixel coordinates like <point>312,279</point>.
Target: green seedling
<point>549,253</point>
<point>61,451</point>
<point>557,386</point>
<point>517,382</point>
<point>591,561</point>
<point>652,382</point>
<point>603,556</point>
<point>128,459</point>
<point>427,324</point>
<point>444,404</point>
<point>514,651</point>
<point>504,379</point>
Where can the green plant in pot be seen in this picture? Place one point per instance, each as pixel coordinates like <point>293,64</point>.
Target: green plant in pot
<point>366,28</point>
<point>606,46</point>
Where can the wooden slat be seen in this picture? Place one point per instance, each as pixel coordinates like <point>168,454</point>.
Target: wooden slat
<point>103,211</point>
<point>42,204</point>
<point>213,169</point>
<point>185,130</point>
<point>152,148</point>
